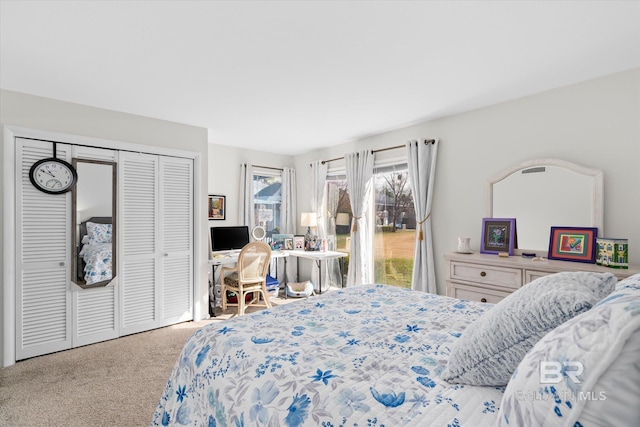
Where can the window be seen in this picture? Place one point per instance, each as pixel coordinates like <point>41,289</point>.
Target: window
<point>391,214</point>
<point>339,215</point>
<point>267,199</point>
<point>395,224</point>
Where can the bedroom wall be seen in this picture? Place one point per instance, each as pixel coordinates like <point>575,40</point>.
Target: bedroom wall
<point>224,174</point>
<point>594,123</point>
<point>23,110</point>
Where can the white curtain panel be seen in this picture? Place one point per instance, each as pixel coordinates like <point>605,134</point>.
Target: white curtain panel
<point>318,183</point>
<point>359,168</point>
<point>246,214</point>
<point>288,218</point>
<point>421,159</point>
<point>333,266</point>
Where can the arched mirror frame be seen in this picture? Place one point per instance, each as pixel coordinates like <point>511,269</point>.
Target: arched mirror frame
<point>76,259</point>
<point>597,216</point>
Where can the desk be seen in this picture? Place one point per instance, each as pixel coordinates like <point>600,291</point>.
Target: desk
<point>318,257</point>
<point>232,258</point>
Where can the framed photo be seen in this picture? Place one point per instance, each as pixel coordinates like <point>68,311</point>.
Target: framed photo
<point>498,235</point>
<point>288,243</point>
<point>298,242</point>
<point>573,244</point>
<point>280,242</point>
<point>217,206</point>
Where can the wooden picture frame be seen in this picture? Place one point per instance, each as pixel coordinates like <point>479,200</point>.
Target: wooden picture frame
<point>217,207</point>
<point>573,244</point>
<point>498,235</point>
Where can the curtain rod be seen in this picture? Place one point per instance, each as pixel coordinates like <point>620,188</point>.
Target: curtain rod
<point>268,167</point>
<point>426,141</point>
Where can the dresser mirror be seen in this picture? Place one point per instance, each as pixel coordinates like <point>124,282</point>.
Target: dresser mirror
<point>94,227</point>
<point>543,193</point>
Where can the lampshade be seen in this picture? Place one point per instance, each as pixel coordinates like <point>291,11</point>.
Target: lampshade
<point>308,219</point>
<point>342,218</point>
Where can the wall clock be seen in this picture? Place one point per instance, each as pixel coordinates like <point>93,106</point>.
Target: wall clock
<point>52,175</point>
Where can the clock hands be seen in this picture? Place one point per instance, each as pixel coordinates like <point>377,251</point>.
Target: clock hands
<point>48,173</point>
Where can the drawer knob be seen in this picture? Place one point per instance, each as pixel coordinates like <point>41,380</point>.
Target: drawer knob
<point>482,273</point>
<point>483,300</point>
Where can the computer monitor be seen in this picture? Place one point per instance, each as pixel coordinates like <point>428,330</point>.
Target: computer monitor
<point>229,238</point>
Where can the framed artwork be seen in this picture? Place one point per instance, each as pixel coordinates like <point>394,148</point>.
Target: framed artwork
<point>298,242</point>
<point>498,235</point>
<point>573,244</point>
<point>281,242</point>
<point>217,207</point>
<point>288,243</point>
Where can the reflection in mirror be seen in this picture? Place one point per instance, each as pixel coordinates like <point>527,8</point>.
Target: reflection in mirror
<point>544,193</point>
<point>94,228</point>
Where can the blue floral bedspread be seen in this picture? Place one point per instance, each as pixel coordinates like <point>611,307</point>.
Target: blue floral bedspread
<point>97,258</point>
<point>370,355</point>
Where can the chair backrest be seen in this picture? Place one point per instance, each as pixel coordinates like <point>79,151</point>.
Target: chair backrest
<point>253,262</point>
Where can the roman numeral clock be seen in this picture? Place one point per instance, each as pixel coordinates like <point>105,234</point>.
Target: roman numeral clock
<point>53,175</point>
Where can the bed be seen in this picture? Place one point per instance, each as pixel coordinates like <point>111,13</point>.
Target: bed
<point>367,356</point>
<point>95,255</point>
<point>376,355</point>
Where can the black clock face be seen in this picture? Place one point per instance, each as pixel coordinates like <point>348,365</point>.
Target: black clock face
<point>53,176</point>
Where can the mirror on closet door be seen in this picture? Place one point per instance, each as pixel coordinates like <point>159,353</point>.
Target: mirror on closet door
<point>94,226</point>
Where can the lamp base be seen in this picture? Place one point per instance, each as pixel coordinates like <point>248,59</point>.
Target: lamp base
<point>310,241</point>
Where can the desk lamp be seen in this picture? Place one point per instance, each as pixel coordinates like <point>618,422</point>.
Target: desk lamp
<point>308,220</point>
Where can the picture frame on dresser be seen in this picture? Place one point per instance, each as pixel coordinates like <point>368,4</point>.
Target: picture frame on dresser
<point>576,244</point>
<point>498,235</point>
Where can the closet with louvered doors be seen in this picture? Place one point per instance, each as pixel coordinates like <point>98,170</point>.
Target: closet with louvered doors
<point>152,279</point>
<point>157,243</point>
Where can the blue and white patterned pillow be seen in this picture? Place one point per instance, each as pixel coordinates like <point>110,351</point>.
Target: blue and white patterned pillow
<point>99,233</point>
<point>584,372</point>
<point>492,347</point>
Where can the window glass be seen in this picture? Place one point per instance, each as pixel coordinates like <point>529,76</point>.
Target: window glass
<point>267,199</point>
<point>395,225</point>
<point>394,220</point>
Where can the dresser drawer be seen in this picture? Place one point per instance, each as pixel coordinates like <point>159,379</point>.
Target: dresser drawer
<point>475,293</point>
<point>531,275</point>
<point>496,276</point>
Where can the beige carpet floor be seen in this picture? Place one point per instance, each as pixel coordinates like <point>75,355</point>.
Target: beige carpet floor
<point>112,383</point>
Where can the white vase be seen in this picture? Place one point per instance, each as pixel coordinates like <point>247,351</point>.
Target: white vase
<point>464,244</point>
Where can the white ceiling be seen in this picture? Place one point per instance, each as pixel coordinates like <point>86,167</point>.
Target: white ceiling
<point>289,77</point>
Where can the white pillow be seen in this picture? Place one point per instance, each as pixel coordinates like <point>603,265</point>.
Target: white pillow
<point>492,347</point>
<point>601,343</point>
<point>99,233</point>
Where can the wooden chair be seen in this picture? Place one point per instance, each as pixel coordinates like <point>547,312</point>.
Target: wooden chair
<point>249,276</point>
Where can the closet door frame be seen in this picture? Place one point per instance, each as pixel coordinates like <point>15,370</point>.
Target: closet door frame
<point>10,133</point>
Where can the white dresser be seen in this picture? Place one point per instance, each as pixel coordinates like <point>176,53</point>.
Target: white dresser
<point>490,278</point>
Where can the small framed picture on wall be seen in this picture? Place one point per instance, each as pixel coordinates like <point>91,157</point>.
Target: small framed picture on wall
<point>217,206</point>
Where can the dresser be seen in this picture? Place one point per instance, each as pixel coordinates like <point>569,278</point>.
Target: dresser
<point>490,278</point>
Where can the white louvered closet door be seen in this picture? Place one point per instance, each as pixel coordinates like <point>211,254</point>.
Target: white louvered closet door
<point>176,219</point>
<point>138,248</point>
<point>43,299</point>
<point>95,311</point>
